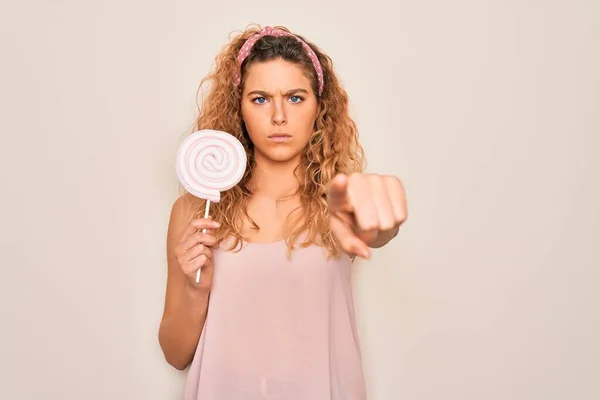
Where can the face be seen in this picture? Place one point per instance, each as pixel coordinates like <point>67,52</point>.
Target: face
<point>279,109</point>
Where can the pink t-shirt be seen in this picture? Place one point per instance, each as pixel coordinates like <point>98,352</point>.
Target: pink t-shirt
<point>278,328</point>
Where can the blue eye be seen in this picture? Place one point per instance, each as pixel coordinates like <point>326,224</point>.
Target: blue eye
<point>296,99</point>
<point>261,100</point>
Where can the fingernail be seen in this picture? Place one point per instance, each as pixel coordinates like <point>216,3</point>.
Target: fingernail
<point>365,254</point>
<point>361,252</point>
<point>216,224</point>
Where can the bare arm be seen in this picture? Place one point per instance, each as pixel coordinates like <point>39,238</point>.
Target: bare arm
<point>186,302</point>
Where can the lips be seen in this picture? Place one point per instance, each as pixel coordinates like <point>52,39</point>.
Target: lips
<point>280,137</point>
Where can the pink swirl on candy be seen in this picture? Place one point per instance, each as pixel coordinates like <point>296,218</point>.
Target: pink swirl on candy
<point>210,162</point>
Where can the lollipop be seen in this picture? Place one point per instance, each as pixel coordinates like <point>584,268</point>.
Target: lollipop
<point>208,163</point>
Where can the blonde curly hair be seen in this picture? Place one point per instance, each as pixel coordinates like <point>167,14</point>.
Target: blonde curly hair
<point>333,147</point>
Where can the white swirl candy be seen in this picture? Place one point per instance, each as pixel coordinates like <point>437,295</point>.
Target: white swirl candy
<point>210,162</point>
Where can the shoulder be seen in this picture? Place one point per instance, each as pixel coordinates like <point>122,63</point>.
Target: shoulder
<point>185,208</point>
<point>186,203</point>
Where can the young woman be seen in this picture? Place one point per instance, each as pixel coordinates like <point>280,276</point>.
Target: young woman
<point>272,317</point>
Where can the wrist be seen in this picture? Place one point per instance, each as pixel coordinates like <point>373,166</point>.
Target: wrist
<point>384,238</point>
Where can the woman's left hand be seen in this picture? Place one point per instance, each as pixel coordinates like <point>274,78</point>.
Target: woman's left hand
<point>365,210</point>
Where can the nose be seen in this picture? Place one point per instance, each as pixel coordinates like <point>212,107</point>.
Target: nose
<point>279,115</point>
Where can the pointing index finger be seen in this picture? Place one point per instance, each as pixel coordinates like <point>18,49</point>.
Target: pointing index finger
<point>337,194</point>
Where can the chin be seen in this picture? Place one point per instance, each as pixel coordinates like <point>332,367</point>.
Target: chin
<point>282,155</point>
<point>283,158</point>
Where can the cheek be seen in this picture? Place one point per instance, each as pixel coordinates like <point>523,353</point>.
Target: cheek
<point>254,121</point>
<point>307,122</point>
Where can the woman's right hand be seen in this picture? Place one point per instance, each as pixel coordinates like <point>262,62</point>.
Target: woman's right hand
<point>194,251</point>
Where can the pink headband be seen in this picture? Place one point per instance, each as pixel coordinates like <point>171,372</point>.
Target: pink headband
<point>269,31</point>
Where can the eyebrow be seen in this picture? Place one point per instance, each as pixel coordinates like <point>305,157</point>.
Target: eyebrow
<point>267,94</point>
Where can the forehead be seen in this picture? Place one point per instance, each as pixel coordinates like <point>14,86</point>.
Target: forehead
<point>276,75</point>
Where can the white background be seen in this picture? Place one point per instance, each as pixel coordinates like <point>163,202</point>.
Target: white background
<point>487,110</point>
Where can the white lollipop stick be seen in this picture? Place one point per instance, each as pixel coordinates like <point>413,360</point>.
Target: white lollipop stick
<point>208,163</point>
<point>203,231</point>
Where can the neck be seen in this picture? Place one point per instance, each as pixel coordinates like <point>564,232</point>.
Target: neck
<point>274,179</point>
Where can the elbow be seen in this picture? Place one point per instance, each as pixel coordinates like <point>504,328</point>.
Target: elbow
<point>177,362</point>
<point>178,365</point>
<point>171,357</point>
